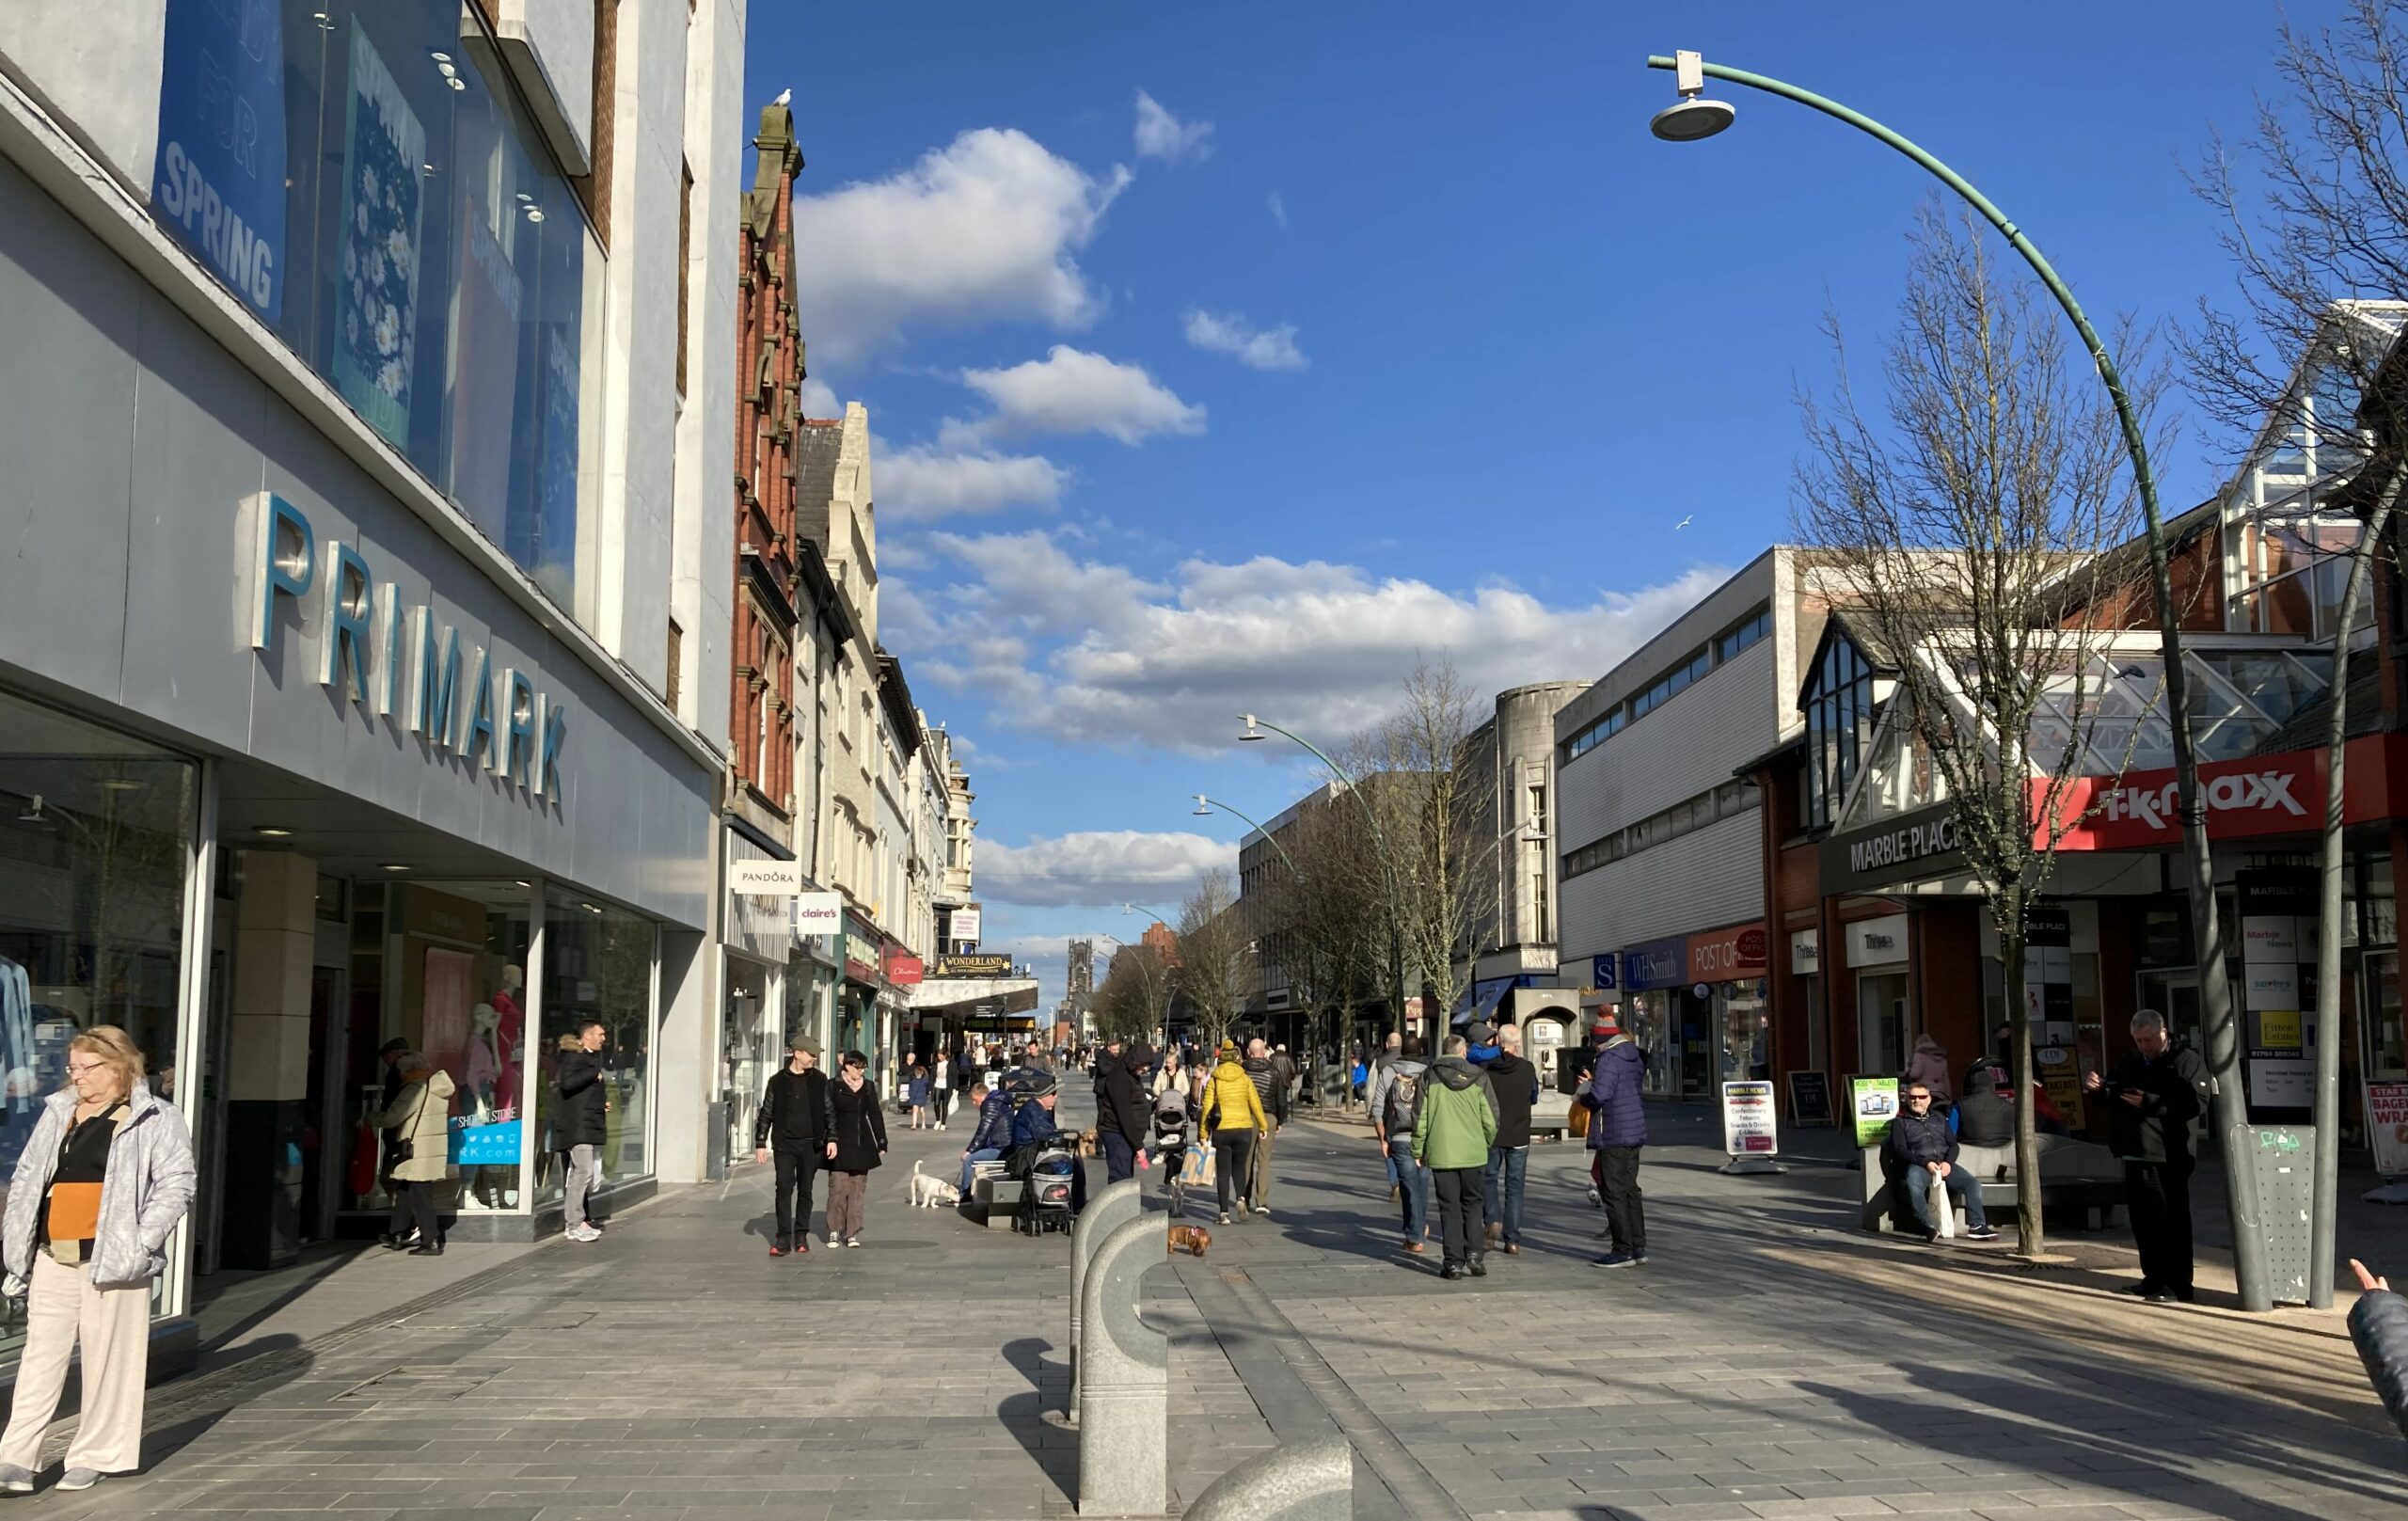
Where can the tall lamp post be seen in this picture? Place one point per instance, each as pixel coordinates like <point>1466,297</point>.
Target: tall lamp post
<point>1692,117</point>
<point>1254,727</point>
<point>1204,807</point>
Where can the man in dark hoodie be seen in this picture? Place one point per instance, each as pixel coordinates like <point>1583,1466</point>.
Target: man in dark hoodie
<point>1125,1116</point>
<point>796,1126</point>
<point>1451,1136</point>
<point>1516,1083</point>
<point>1272,1090</point>
<point>1617,1133</point>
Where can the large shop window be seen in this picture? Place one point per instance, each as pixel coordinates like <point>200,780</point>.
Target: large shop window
<point>95,839</point>
<point>361,175</point>
<point>96,835</point>
<point>457,959</point>
<point>599,969</point>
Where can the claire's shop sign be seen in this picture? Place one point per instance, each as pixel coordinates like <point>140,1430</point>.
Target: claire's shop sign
<point>397,662</point>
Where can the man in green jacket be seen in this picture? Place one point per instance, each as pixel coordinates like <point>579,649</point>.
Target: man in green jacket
<point>1452,1138</point>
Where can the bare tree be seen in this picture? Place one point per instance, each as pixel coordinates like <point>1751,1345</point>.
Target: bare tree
<point>1966,527</point>
<point>2310,363</point>
<point>1435,806</point>
<point>1136,994</point>
<point>1212,955</point>
<point>1322,907</point>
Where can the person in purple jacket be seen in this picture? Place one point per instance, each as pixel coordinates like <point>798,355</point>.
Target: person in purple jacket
<point>1617,1133</point>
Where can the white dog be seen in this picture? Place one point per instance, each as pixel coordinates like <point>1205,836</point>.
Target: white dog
<point>929,1192</point>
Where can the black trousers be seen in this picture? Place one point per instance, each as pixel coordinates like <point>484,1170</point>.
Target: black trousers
<point>2158,1195</point>
<point>1462,1210</point>
<point>797,1165</point>
<point>1618,1186</point>
<point>1233,1153</point>
<point>1120,1157</point>
<point>415,1201</point>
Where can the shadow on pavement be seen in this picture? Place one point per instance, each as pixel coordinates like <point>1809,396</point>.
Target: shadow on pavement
<point>1023,1415</point>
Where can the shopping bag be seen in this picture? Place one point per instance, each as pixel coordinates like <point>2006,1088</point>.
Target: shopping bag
<point>1944,1208</point>
<point>1197,1171</point>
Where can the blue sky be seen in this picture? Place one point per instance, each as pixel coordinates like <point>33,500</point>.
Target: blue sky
<point>1228,358</point>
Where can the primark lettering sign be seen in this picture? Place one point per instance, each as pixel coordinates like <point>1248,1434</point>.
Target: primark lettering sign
<point>399,662</point>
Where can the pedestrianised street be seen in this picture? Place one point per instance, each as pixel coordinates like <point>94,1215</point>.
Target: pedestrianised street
<point>1766,1363</point>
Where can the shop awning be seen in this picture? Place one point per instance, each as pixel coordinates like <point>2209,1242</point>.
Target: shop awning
<point>1479,1000</point>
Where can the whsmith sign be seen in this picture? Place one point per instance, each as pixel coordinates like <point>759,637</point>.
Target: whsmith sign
<point>1910,846</point>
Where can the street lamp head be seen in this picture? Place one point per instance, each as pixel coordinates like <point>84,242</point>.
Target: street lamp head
<point>1252,732</point>
<point>1202,808</point>
<point>1692,117</point>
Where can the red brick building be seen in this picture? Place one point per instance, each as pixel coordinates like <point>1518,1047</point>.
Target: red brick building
<point>768,412</point>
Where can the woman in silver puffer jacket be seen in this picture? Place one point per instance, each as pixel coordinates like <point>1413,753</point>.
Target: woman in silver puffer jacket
<point>96,1193</point>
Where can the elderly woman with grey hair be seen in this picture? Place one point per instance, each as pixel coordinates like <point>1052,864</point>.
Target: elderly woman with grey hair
<point>421,1116</point>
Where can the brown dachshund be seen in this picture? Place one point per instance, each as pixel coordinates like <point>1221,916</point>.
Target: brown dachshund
<point>1194,1240</point>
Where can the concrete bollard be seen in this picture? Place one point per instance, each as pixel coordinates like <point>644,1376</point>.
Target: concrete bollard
<point>1122,1202</point>
<point>1124,1381</point>
<point>1302,1482</point>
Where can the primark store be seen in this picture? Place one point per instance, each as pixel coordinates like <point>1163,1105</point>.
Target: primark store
<point>331,635</point>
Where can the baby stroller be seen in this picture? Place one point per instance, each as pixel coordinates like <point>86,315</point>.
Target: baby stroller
<point>1044,1167</point>
<point>1174,1126</point>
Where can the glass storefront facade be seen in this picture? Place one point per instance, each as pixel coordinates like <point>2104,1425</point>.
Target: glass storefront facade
<point>96,844</point>
<point>599,966</point>
<point>363,176</point>
<point>1648,1019</point>
<point>457,968</point>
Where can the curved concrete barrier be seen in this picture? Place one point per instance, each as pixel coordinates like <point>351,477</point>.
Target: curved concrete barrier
<point>1304,1482</point>
<point>1124,1381</point>
<point>1107,1212</point>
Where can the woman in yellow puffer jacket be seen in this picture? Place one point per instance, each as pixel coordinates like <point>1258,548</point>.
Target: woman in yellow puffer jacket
<point>1233,1117</point>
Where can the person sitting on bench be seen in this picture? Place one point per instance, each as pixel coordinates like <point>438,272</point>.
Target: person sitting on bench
<point>1918,1149</point>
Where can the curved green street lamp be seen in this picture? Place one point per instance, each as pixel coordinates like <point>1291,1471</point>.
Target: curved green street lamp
<point>1692,117</point>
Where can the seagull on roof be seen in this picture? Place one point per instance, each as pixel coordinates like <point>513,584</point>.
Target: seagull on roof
<point>1683,523</point>
<point>786,96</point>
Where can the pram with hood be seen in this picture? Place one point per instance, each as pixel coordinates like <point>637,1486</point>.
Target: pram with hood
<point>1046,1166</point>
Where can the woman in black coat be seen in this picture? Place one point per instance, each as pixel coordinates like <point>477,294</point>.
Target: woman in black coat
<point>2379,1326</point>
<point>859,1139</point>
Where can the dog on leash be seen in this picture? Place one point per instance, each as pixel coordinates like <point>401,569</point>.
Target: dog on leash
<point>929,1192</point>
<point>1192,1240</point>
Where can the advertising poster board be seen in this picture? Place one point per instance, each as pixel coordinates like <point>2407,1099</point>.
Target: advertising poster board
<point>220,186</point>
<point>2387,1127</point>
<point>1874,1103</point>
<point>1810,1099</point>
<point>2060,1075</point>
<point>1749,1126</point>
<point>2278,922</point>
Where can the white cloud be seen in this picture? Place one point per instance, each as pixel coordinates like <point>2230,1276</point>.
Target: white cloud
<point>1163,135</point>
<point>1071,390</point>
<point>918,484</point>
<point>1101,868</point>
<point>818,400</point>
<point>1278,209</point>
<point>982,229</point>
<point>1273,348</point>
<point>1087,651</point>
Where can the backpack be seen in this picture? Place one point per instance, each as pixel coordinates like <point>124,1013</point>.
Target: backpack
<point>1403,1106</point>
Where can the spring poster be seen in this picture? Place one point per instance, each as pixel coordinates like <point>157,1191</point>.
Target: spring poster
<point>220,184</point>
<point>375,345</point>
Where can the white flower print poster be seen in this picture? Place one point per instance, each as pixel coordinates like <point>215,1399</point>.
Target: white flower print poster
<point>377,281</point>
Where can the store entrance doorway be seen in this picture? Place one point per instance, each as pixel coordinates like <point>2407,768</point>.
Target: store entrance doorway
<point>1881,1022</point>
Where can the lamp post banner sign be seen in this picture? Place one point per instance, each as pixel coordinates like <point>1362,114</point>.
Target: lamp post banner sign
<point>1747,1126</point>
<point>2387,1127</point>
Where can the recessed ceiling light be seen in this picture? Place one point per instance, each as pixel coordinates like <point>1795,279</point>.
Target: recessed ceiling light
<point>438,56</point>
<point>120,784</point>
<point>391,865</point>
<point>523,884</point>
<point>271,832</point>
<point>457,83</point>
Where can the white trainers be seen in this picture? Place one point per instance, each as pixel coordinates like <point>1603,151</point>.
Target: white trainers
<point>582,1233</point>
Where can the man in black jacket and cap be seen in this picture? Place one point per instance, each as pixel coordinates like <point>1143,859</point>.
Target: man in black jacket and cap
<point>1919,1151</point>
<point>2156,1096</point>
<point>797,1126</point>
